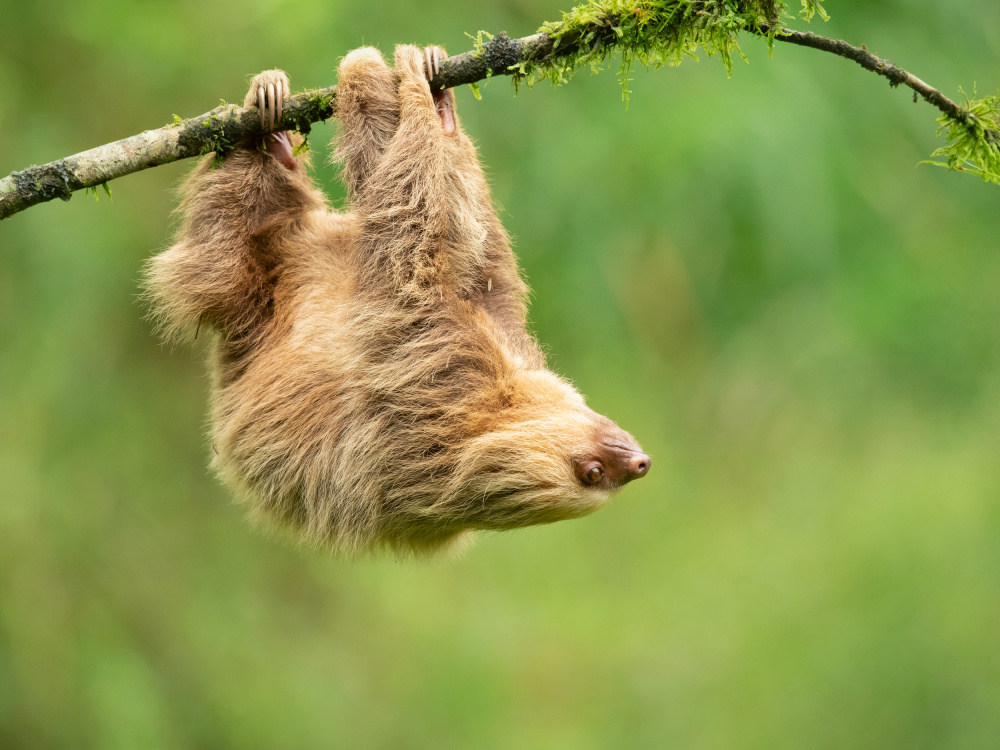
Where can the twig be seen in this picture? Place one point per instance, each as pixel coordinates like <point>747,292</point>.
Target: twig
<point>896,75</point>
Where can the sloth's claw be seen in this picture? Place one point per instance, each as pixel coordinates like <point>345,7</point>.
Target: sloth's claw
<point>268,92</point>
<point>432,61</point>
<point>444,99</point>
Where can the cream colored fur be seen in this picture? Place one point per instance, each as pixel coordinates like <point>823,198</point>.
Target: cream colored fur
<point>374,383</point>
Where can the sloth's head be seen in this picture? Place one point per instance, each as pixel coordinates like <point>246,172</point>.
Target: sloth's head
<point>543,457</point>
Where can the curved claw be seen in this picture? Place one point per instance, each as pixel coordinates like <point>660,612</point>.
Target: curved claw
<point>270,110</point>
<point>444,99</point>
<point>433,56</point>
<point>267,93</point>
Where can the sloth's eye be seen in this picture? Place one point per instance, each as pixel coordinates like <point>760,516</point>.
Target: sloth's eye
<point>593,475</point>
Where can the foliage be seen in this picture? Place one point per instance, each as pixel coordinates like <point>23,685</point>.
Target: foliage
<point>93,190</point>
<point>652,33</point>
<point>974,140</point>
<point>301,147</point>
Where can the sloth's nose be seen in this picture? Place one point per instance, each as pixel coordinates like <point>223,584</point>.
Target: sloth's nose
<point>637,466</point>
<point>624,463</point>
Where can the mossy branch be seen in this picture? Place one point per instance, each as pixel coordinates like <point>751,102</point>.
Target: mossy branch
<point>972,129</point>
<point>216,131</point>
<point>650,32</point>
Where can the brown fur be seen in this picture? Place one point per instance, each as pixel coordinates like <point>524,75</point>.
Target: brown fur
<point>374,383</point>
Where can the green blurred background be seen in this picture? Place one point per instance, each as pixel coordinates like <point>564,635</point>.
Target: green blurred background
<point>752,275</point>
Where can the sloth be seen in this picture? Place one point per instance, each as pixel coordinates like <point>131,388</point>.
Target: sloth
<point>374,385</point>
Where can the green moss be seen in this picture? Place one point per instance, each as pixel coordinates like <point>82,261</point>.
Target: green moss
<point>217,139</point>
<point>479,42</point>
<point>321,101</point>
<point>652,33</point>
<point>974,141</point>
<point>93,191</point>
<point>302,118</point>
<point>812,8</point>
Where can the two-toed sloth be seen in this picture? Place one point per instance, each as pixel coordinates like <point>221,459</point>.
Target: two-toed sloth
<point>374,385</point>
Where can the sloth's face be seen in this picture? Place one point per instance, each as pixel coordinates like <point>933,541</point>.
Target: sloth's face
<point>614,458</point>
<point>548,458</point>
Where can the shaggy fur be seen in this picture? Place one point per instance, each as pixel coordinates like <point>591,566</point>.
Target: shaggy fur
<point>374,385</point>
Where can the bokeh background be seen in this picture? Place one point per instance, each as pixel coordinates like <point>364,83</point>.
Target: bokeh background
<point>752,275</point>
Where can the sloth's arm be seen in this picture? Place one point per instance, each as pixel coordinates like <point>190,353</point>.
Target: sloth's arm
<point>238,218</point>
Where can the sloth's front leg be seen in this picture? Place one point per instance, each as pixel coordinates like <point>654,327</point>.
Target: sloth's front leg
<point>238,220</point>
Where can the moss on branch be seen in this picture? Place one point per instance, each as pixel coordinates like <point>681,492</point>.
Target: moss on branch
<point>648,32</point>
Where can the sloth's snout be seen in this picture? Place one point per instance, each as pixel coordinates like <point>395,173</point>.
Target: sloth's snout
<point>625,463</point>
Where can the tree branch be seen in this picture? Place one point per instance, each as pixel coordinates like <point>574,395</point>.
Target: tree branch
<point>896,75</point>
<point>586,34</point>
<point>227,125</point>
<point>217,130</point>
